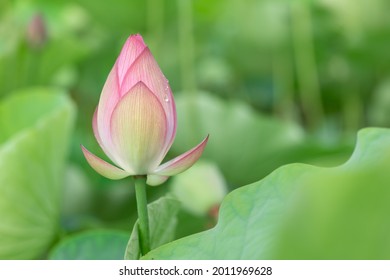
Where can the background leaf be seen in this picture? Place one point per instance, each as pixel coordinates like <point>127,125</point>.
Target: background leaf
<point>246,145</point>
<point>304,212</point>
<point>93,245</point>
<point>200,188</point>
<point>34,133</point>
<point>162,221</point>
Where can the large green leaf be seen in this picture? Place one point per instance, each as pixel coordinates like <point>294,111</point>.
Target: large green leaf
<point>92,245</point>
<point>343,213</point>
<point>245,145</point>
<point>162,220</point>
<point>304,212</point>
<point>35,126</point>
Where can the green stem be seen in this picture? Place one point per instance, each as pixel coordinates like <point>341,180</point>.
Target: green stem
<point>143,218</point>
<point>284,84</point>
<point>187,61</point>
<point>309,87</point>
<point>155,22</point>
<point>186,41</point>
<point>353,109</point>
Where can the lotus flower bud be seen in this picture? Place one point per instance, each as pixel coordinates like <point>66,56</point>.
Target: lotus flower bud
<point>36,32</point>
<point>135,120</point>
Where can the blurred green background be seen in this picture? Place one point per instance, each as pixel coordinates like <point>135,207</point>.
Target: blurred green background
<point>273,82</point>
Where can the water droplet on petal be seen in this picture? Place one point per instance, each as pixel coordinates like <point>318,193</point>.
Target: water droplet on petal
<point>166,98</point>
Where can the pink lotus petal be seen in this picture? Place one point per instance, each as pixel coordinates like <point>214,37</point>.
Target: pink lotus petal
<point>182,162</point>
<point>102,144</point>
<point>138,129</point>
<point>108,100</point>
<point>104,168</point>
<point>95,129</point>
<point>155,180</point>
<point>146,69</point>
<point>133,47</point>
<point>110,95</point>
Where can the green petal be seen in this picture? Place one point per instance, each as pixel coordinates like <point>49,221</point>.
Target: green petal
<point>155,180</point>
<point>138,129</point>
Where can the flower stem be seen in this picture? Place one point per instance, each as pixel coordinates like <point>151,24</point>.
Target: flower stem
<point>143,218</point>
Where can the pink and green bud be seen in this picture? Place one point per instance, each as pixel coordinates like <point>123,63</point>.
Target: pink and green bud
<point>36,32</point>
<point>135,120</point>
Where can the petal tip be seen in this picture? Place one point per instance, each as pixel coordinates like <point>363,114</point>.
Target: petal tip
<point>182,162</point>
<point>135,42</point>
<point>102,167</point>
<point>131,50</point>
<point>136,38</point>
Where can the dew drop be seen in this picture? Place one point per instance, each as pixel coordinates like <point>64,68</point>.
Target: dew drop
<point>166,98</point>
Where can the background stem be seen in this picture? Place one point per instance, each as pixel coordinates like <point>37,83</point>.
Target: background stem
<point>307,76</point>
<point>187,63</point>
<point>155,22</point>
<point>143,218</point>
<point>283,77</point>
<point>186,42</point>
